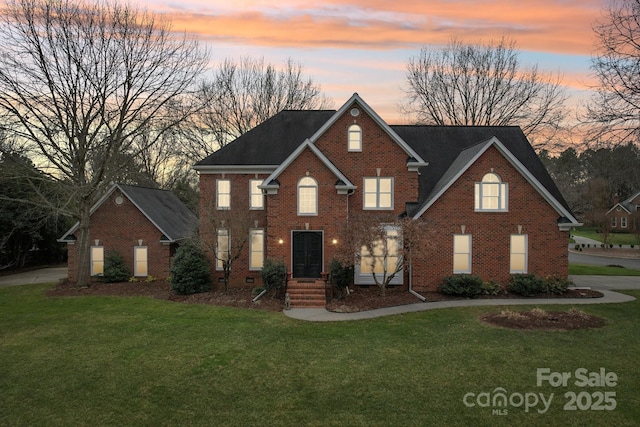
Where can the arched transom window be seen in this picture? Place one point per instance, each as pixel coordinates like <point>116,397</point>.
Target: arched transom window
<point>491,194</point>
<point>307,196</point>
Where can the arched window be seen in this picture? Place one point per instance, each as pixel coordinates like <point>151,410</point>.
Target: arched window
<point>355,138</point>
<point>491,194</point>
<point>307,196</point>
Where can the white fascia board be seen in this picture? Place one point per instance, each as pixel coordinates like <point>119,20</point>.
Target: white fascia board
<point>356,98</point>
<point>618,205</point>
<point>164,233</point>
<point>535,183</point>
<point>234,169</point>
<point>519,166</point>
<point>91,211</point>
<point>308,144</point>
<point>453,179</point>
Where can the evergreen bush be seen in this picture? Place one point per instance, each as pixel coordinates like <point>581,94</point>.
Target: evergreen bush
<point>190,272</point>
<point>526,285</point>
<point>115,270</point>
<point>274,274</point>
<point>464,285</point>
<point>341,276</point>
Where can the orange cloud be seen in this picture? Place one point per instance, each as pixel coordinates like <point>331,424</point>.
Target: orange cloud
<point>545,25</point>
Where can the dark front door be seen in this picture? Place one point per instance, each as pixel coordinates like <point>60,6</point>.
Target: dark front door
<point>307,254</point>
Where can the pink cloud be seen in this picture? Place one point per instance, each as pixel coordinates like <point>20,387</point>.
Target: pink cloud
<point>545,25</point>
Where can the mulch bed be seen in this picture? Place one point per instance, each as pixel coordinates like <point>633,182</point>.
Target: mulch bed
<point>360,299</point>
<point>544,320</point>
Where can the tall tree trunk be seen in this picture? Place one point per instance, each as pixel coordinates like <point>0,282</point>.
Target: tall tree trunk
<point>83,245</point>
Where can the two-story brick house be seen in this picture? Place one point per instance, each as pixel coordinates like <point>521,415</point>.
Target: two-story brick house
<point>491,205</point>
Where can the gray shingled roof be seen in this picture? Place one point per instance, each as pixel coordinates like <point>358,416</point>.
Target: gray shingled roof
<point>271,142</point>
<point>441,146</point>
<point>163,208</point>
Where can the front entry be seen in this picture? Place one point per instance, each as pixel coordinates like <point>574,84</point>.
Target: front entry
<point>307,254</point>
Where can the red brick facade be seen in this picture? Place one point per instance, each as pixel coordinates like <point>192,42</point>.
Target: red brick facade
<point>528,212</point>
<point>119,227</point>
<point>490,231</point>
<point>625,216</point>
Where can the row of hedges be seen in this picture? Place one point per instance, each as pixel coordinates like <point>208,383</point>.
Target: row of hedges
<point>527,285</point>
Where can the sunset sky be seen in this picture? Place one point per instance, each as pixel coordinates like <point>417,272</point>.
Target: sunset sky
<point>363,46</point>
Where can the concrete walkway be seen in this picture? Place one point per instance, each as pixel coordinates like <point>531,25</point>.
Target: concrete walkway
<point>604,284</point>
<point>600,283</point>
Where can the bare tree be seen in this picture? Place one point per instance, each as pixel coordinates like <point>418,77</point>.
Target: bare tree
<point>82,81</point>
<point>245,93</point>
<point>384,246</point>
<point>226,236</point>
<point>476,84</point>
<point>615,108</point>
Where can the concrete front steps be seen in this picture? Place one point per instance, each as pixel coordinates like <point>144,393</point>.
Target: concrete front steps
<point>307,293</point>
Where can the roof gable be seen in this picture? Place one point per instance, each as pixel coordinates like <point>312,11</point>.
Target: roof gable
<point>270,183</point>
<point>468,156</point>
<point>416,159</point>
<point>161,207</point>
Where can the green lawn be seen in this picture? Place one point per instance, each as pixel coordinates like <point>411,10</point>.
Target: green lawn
<point>616,238</point>
<point>597,270</point>
<point>103,361</point>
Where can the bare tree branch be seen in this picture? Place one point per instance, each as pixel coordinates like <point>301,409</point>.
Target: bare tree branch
<point>485,85</point>
<point>83,82</point>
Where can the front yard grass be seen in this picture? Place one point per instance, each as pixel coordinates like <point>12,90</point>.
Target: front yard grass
<point>601,270</point>
<point>138,361</point>
<point>616,238</point>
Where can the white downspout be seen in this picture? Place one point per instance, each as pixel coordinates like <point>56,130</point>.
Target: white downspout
<point>411,291</point>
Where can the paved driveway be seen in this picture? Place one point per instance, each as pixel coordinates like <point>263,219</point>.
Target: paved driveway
<point>42,275</point>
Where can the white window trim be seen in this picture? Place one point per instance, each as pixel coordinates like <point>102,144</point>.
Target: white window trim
<point>219,266</point>
<point>367,278</point>
<point>93,271</point>
<point>136,273</point>
<point>623,222</point>
<point>526,254</point>
<point>252,232</point>
<point>218,206</point>
<point>353,129</point>
<point>614,221</point>
<point>315,187</point>
<point>252,194</point>
<point>468,254</point>
<point>503,194</point>
<point>364,193</point>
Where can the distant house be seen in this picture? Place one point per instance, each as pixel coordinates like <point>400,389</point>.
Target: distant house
<point>494,208</point>
<point>623,216</point>
<point>144,225</point>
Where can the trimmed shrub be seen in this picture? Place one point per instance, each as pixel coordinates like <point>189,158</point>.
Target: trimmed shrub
<point>190,272</point>
<point>491,288</point>
<point>557,285</point>
<point>464,285</point>
<point>115,269</point>
<point>274,274</point>
<point>341,276</point>
<point>526,285</point>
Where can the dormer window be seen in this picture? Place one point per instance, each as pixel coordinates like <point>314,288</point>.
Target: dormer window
<point>491,194</point>
<point>355,138</point>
